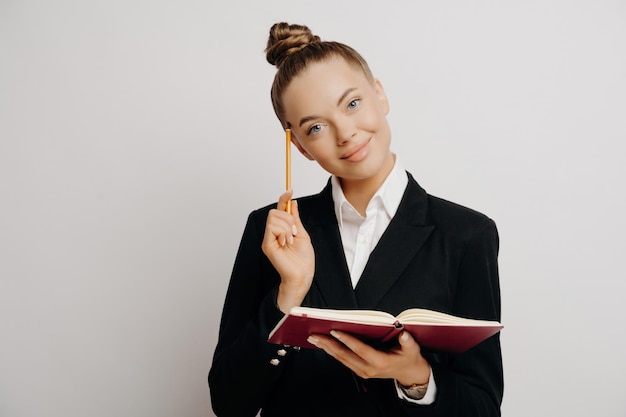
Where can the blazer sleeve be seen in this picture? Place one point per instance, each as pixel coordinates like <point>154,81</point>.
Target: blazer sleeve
<point>242,357</point>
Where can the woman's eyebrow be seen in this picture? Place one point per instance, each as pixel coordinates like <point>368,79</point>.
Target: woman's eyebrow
<point>342,98</point>
<point>306,119</point>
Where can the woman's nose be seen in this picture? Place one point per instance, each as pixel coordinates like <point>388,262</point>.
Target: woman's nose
<point>345,132</point>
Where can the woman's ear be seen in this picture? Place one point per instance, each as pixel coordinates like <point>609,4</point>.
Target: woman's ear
<point>303,151</point>
<point>380,93</point>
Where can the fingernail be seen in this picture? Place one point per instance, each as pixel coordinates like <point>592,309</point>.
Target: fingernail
<point>290,239</point>
<point>282,242</point>
<point>313,340</point>
<point>294,229</point>
<point>335,334</point>
<point>404,336</point>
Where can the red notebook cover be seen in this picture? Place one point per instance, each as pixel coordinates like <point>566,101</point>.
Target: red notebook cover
<point>294,330</point>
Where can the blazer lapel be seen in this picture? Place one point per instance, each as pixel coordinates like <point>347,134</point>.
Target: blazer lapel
<point>332,278</point>
<point>398,245</point>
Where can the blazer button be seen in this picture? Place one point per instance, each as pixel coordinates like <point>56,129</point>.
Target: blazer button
<point>275,362</point>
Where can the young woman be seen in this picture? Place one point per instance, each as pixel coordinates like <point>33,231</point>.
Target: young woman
<point>371,239</point>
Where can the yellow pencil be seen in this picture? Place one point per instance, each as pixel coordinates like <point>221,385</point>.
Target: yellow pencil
<point>288,165</point>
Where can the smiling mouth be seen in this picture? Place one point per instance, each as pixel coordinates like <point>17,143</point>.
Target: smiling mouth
<point>355,151</point>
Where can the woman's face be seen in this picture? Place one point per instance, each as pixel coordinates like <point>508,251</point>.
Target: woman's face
<point>338,118</point>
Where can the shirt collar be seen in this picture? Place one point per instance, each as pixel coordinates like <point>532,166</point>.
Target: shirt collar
<point>389,194</point>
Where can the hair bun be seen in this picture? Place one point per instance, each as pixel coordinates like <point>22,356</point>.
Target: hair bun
<point>286,39</point>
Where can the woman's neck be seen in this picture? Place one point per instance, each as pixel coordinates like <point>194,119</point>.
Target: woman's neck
<point>360,192</point>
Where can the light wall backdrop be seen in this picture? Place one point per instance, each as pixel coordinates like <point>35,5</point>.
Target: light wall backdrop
<point>136,136</point>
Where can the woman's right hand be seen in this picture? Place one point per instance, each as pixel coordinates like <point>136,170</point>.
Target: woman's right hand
<point>288,247</point>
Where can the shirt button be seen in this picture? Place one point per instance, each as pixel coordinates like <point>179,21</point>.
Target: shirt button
<point>274,362</point>
<point>281,352</point>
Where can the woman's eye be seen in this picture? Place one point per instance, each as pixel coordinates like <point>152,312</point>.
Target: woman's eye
<point>314,129</point>
<point>354,104</point>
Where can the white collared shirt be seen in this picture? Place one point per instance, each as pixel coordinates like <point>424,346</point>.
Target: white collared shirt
<point>360,235</point>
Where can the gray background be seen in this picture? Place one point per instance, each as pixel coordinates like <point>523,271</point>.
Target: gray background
<point>136,135</point>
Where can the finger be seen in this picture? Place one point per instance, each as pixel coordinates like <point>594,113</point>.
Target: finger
<point>353,343</point>
<point>407,341</point>
<point>295,212</point>
<point>283,200</point>
<point>350,351</point>
<point>279,227</point>
<point>332,346</point>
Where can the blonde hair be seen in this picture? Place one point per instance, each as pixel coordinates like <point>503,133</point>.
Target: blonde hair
<point>291,48</point>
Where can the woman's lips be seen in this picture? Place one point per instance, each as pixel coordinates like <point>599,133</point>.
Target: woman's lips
<point>357,153</point>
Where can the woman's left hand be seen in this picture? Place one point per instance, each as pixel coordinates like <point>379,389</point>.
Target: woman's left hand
<point>403,363</point>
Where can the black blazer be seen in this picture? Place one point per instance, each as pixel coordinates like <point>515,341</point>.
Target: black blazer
<point>434,254</point>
